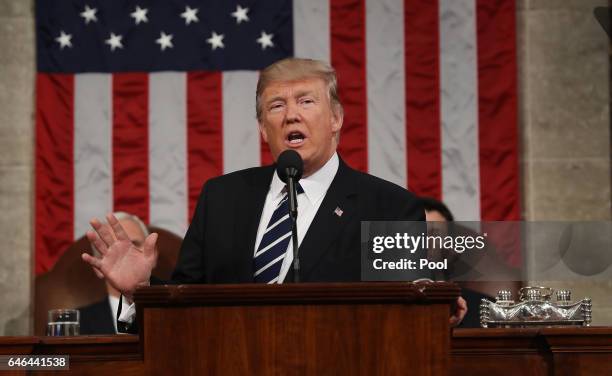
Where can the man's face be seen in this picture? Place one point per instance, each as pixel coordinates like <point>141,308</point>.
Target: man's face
<point>133,232</point>
<point>436,223</point>
<point>298,115</point>
<point>434,216</point>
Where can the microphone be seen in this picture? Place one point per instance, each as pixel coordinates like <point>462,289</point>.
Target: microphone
<point>289,167</point>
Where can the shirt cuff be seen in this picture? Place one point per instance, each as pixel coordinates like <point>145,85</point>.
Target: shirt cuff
<point>128,311</point>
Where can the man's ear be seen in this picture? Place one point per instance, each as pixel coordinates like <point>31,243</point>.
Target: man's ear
<point>262,131</point>
<point>337,119</point>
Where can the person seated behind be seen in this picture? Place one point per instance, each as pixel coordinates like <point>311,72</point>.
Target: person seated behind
<point>100,317</point>
<point>437,211</point>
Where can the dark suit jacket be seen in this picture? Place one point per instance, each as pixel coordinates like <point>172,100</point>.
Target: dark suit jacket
<point>220,242</point>
<point>473,298</point>
<point>97,318</point>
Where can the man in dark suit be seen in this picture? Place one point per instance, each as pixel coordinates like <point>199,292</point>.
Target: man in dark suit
<point>437,211</point>
<point>227,228</point>
<point>239,234</point>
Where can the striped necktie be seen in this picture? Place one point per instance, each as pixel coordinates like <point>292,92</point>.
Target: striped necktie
<point>273,246</point>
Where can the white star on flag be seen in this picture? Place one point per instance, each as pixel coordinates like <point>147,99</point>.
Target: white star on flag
<point>114,41</point>
<point>139,15</point>
<point>190,15</point>
<point>216,40</point>
<point>64,40</point>
<point>265,40</point>
<point>89,14</point>
<point>164,41</point>
<point>240,14</point>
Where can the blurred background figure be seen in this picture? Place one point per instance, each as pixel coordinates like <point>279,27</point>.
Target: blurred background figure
<point>437,211</point>
<point>72,284</point>
<point>99,317</point>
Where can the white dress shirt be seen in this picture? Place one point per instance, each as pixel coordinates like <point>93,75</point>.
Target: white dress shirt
<point>315,187</point>
<point>114,304</point>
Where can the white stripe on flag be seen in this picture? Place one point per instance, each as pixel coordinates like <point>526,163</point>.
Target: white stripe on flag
<point>168,151</point>
<point>386,90</point>
<point>93,188</point>
<point>240,132</point>
<point>459,108</point>
<point>311,17</point>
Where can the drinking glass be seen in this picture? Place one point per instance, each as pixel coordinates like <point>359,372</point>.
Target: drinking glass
<point>63,322</point>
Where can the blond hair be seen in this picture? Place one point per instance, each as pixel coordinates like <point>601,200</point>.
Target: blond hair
<point>295,69</point>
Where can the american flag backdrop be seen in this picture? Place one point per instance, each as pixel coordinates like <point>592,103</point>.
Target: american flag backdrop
<point>138,103</point>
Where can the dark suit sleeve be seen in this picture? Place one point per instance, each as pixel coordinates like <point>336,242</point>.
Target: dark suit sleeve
<point>190,264</point>
<point>96,318</point>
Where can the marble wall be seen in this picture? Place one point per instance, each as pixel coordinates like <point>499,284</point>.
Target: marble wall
<point>564,76</point>
<point>17,72</point>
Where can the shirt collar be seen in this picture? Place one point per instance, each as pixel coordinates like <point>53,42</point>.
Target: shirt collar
<point>315,186</point>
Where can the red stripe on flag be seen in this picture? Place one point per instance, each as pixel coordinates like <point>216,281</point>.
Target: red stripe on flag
<point>497,110</point>
<point>131,143</point>
<point>204,131</point>
<point>54,168</point>
<point>266,155</point>
<point>497,126</point>
<point>348,56</point>
<point>422,65</point>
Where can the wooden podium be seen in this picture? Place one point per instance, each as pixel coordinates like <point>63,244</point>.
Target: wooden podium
<point>296,329</point>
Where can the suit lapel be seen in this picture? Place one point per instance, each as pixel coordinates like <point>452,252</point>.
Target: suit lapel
<point>246,227</point>
<point>334,213</point>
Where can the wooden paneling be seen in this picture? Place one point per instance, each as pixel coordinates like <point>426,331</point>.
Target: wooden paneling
<point>299,339</point>
<point>307,329</point>
<point>362,329</point>
<point>536,351</point>
<point>498,352</point>
<point>117,355</point>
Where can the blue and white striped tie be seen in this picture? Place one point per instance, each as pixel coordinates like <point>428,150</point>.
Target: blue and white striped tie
<point>273,246</point>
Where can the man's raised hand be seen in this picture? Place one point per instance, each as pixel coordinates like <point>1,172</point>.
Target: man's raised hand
<point>124,265</point>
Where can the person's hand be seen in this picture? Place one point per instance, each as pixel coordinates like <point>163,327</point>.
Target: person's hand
<point>123,265</point>
<point>460,311</point>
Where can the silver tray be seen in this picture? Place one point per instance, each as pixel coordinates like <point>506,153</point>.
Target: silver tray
<point>535,308</point>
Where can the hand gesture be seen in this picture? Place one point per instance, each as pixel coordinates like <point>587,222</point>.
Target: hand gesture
<point>460,311</point>
<point>124,265</point>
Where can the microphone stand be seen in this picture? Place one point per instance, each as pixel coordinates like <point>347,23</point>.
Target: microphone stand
<point>293,205</point>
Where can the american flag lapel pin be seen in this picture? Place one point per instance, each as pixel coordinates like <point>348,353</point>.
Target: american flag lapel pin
<point>338,211</point>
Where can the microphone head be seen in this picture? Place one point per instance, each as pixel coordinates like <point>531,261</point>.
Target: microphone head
<point>289,164</point>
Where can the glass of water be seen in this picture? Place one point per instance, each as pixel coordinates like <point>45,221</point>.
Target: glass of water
<point>63,322</point>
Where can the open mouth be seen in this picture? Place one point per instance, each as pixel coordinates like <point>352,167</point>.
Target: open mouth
<point>295,138</point>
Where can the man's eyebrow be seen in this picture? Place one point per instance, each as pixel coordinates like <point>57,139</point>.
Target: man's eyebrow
<point>298,94</point>
<point>274,99</point>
